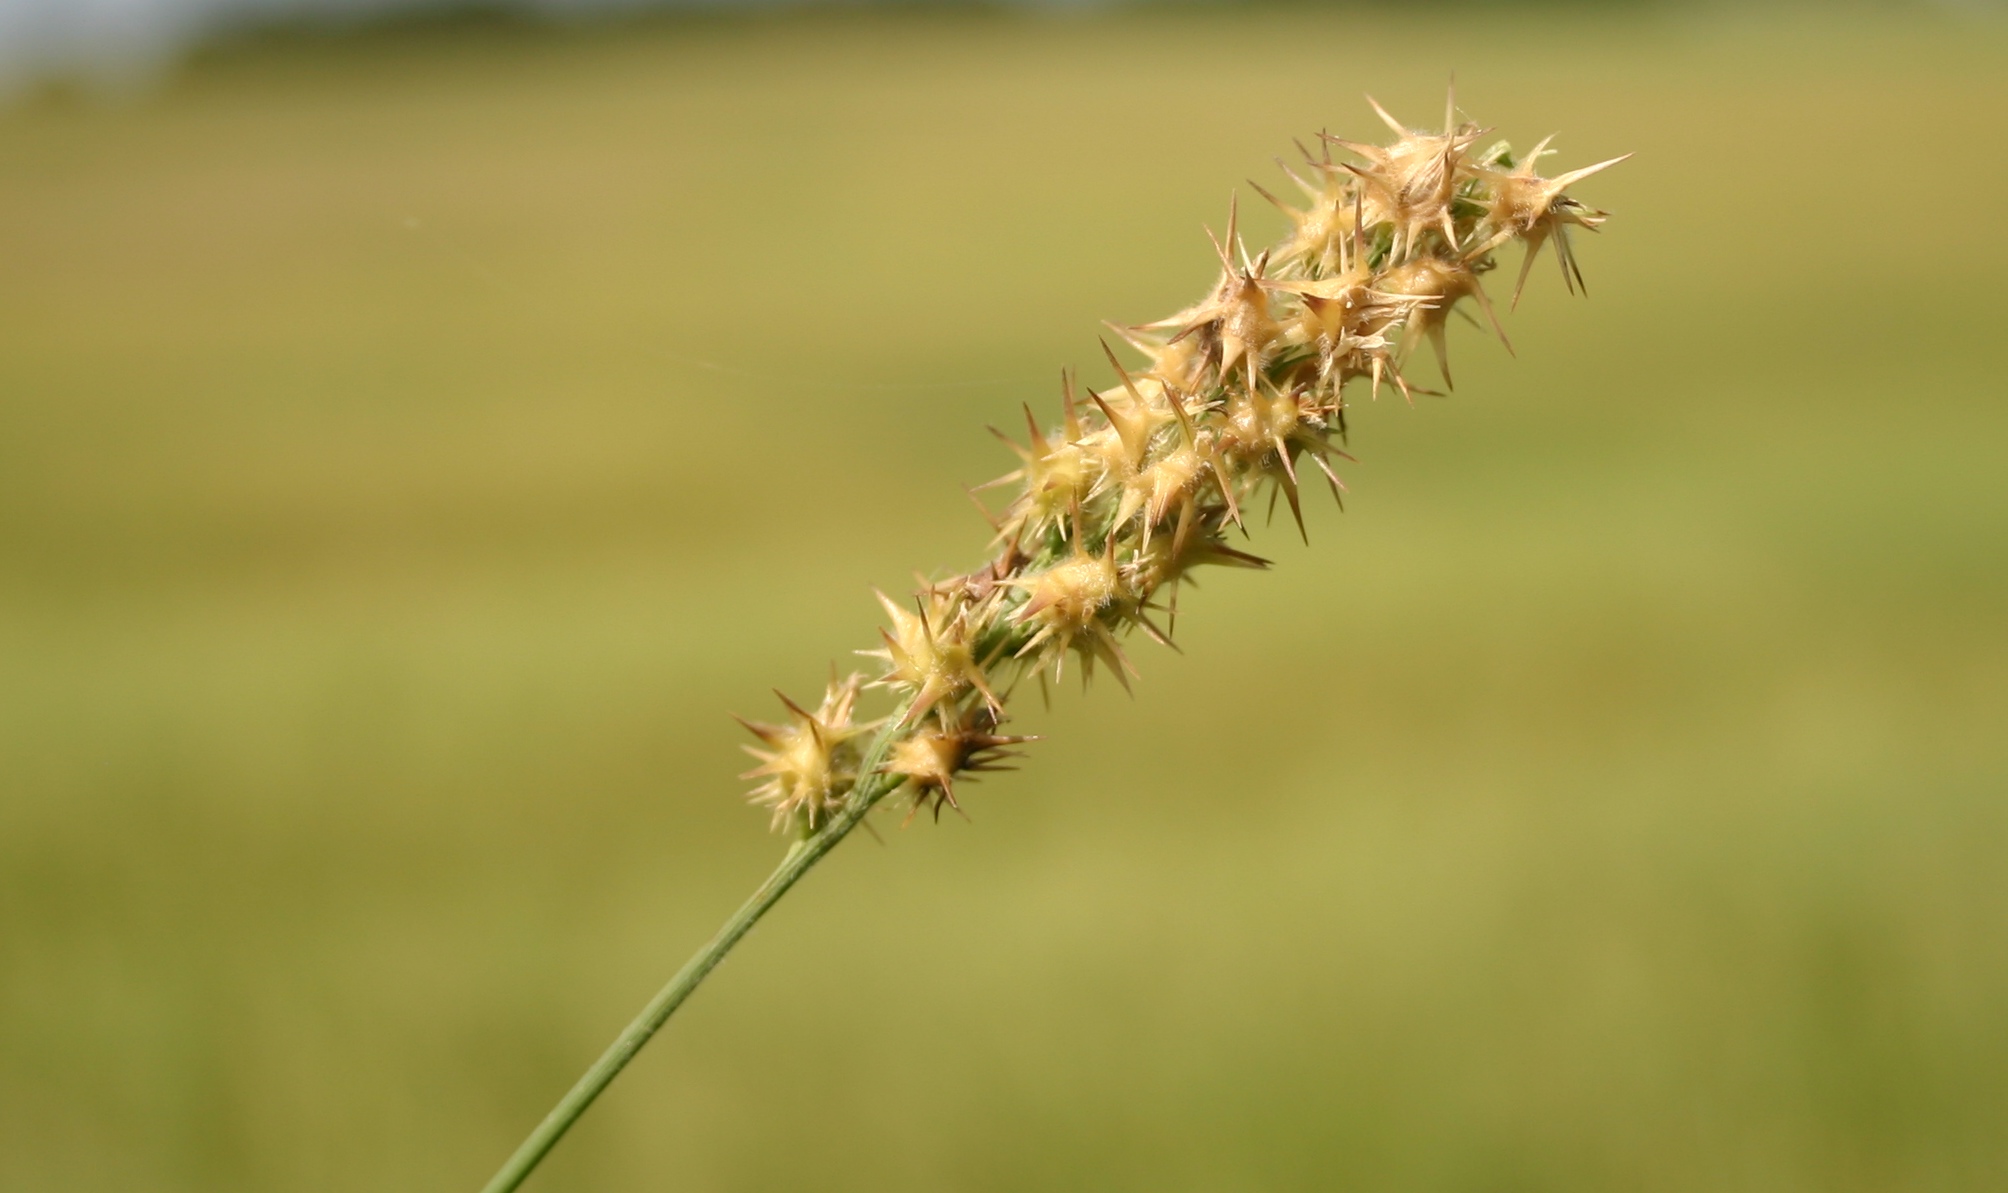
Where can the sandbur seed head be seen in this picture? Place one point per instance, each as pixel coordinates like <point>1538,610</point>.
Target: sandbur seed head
<point>1410,184</point>
<point>1057,474</point>
<point>932,758</point>
<point>1435,284</point>
<point>1323,234</point>
<point>810,763</point>
<point>929,653</point>
<point>1144,480</point>
<point>1069,596</point>
<point>1520,203</point>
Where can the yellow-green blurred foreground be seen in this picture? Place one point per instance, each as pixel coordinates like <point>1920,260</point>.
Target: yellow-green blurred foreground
<point>412,447</point>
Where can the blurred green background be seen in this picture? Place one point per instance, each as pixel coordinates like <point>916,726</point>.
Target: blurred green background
<point>412,445</point>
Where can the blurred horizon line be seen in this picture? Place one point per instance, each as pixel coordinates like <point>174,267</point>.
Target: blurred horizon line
<point>117,43</point>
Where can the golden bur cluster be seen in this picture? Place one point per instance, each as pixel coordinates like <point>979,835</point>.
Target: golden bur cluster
<point>1237,401</point>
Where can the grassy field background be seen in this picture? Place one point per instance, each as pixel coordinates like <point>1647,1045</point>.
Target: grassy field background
<point>411,448</point>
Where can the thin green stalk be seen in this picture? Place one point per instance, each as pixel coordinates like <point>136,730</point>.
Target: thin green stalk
<point>803,854</point>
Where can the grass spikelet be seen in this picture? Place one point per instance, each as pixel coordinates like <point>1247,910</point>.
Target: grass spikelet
<point>1115,506</point>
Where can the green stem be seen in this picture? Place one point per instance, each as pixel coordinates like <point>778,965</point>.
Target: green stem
<point>803,854</point>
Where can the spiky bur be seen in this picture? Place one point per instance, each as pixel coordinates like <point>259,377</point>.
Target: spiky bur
<point>1235,400</point>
